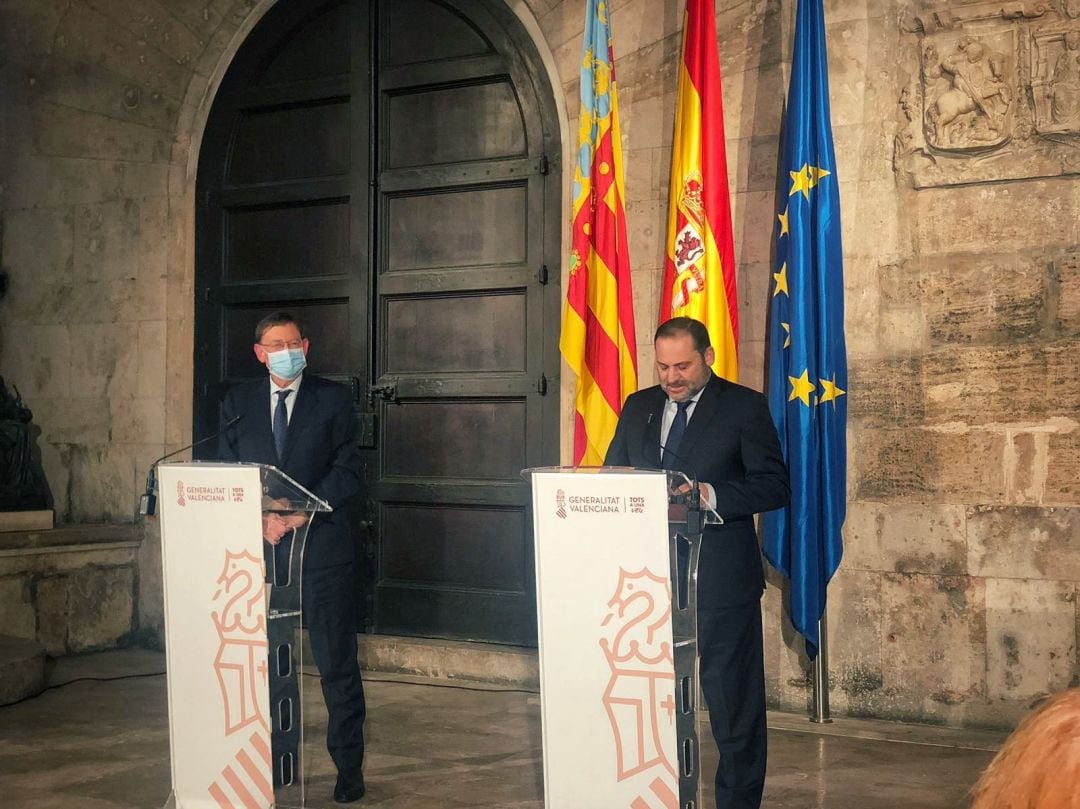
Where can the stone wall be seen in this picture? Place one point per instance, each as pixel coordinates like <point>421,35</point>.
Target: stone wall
<point>72,589</point>
<point>102,102</point>
<point>956,601</point>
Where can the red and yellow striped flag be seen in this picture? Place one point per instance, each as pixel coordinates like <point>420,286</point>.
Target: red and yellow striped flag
<point>699,269</point>
<point>598,322</point>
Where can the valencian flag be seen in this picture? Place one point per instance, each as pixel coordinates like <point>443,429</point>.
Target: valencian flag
<point>699,269</point>
<point>598,322</point>
<point>807,358</point>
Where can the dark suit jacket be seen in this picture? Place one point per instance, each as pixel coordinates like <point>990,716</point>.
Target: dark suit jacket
<point>321,453</point>
<point>730,442</point>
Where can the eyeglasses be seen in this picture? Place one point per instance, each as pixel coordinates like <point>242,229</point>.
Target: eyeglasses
<point>280,345</point>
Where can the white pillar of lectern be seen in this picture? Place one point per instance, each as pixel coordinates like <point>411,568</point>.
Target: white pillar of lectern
<point>215,635</point>
<point>607,674</point>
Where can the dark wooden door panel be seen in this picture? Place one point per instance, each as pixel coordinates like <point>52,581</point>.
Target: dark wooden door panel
<point>475,122</point>
<point>285,241</point>
<point>495,617</point>
<point>306,139</point>
<point>457,546</point>
<point>409,29</point>
<point>456,228</point>
<point>320,46</point>
<point>456,570</point>
<point>455,439</point>
<point>424,334</point>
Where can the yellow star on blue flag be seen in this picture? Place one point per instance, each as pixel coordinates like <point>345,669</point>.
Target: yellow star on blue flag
<point>807,355</point>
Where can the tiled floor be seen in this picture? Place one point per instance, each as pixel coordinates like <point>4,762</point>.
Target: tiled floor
<point>102,743</point>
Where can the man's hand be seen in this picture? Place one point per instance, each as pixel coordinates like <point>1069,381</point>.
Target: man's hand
<point>685,489</point>
<point>273,527</point>
<point>276,525</point>
<point>706,492</point>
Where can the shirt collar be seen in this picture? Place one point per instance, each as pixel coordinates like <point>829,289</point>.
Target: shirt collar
<point>294,386</point>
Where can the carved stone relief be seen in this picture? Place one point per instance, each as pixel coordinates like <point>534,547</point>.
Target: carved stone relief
<point>1055,81</point>
<point>968,90</point>
<point>993,92</point>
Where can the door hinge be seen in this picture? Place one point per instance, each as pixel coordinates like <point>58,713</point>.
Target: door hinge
<point>541,385</point>
<point>542,274</point>
<point>366,438</point>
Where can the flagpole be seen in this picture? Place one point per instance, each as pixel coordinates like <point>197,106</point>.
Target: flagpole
<point>821,673</point>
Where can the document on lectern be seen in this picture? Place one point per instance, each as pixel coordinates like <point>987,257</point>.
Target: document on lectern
<point>607,671</point>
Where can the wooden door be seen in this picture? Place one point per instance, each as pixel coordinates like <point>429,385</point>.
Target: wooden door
<point>389,173</point>
<point>466,323</point>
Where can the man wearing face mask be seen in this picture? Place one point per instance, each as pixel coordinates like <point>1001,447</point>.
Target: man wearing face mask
<point>305,426</point>
<point>722,434</point>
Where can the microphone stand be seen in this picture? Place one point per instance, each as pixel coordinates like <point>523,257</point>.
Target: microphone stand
<point>148,500</point>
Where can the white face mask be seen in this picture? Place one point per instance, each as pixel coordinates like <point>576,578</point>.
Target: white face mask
<point>287,363</point>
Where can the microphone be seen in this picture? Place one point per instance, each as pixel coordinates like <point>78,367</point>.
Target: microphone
<point>148,501</point>
<point>645,435</point>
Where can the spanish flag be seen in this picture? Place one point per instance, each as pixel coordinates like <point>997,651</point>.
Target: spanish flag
<point>699,268</point>
<point>598,322</point>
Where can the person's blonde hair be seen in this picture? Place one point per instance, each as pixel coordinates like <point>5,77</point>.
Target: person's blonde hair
<point>1038,767</point>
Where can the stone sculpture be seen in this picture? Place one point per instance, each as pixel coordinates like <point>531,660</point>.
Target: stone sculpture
<point>1064,88</point>
<point>22,482</point>
<point>970,100</point>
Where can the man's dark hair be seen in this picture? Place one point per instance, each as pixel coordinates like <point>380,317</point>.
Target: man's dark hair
<point>277,319</point>
<point>686,325</point>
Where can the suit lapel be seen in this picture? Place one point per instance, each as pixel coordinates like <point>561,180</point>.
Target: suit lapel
<point>652,430</point>
<point>698,426</point>
<point>260,408</point>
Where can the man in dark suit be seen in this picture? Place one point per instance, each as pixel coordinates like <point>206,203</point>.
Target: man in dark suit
<point>721,434</point>
<point>305,426</point>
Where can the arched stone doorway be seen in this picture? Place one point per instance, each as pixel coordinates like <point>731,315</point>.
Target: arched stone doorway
<point>389,170</point>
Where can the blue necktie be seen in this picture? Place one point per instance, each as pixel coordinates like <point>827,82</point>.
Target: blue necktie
<point>675,434</point>
<point>281,423</point>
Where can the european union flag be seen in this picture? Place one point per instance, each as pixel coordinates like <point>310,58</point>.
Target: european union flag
<point>807,358</point>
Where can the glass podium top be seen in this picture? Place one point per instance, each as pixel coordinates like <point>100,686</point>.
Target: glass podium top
<point>280,493</point>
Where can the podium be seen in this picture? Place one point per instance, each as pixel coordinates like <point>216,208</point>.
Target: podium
<point>616,574</point>
<point>233,643</point>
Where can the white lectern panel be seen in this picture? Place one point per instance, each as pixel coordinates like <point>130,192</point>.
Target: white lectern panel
<point>215,621</point>
<point>607,672</point>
